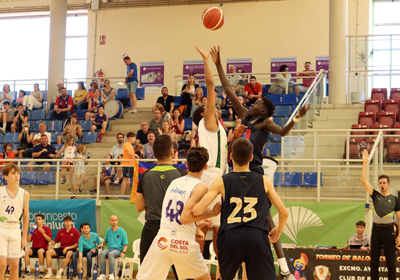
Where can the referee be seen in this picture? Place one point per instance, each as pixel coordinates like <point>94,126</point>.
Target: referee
<point>385,206</point>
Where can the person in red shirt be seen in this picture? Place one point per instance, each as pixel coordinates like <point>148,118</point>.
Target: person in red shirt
<point>252,91</point>
<point>68,238</point>
<point>63,107</point>
<point>307,82</point>
<point>40,241</point>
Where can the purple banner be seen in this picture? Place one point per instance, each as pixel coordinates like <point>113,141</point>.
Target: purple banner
<point>242,65</point>
<point>277,62</point>
<point>196,67</point>
<point>152,74</point>
<point>322,62</point>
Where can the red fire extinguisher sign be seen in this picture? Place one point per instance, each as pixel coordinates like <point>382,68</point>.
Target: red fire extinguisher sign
<point>102,40</point>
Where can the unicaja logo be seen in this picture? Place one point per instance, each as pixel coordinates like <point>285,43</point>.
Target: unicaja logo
<point>299,218</point>
<point>162,243</point>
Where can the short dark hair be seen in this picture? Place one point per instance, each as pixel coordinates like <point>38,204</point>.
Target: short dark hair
<point>102,106</point>
<point>162,147</point>
<point>151,132</point>
<point>23,91</point>
<point>197,115</point>
<point>164,88</point>
<point>39,215</point>
<point>196,158</point>
<point>6,102</point>
<point>43,135</point>
<point>62,88</point>
<point>74,116</point>
<point>84,224</point>
<point>120,133</point>
<point>383,176</point>
<point>242,151</point>
<point>67,218</point>
<point>130,135</point>
<point>19,104</point>
<point>7,169</point>
<point>360,223</point>
<point>270,106</point>
<point>126,58</point>
<point>253,77</point>
<point>307,62</point>
<point>216,90</point>
<point>283,67</point>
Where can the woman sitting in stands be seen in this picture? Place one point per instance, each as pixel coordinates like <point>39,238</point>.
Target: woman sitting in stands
<point>177,125</point>
<point>6,95</point>
<point>25,138</point>
<point>188,93</point>
<point>7,154</point>
<point>279,84</point>
<point>196,102</point>
<point>166,130</point>
<point>94,104</point>
<point>20,98</point>
<point>93,86</point>
<point>80,97</point>
<point>107,93</point>
<point>34,99</point>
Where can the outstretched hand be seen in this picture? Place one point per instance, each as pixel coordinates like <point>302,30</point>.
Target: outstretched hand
<point>365,156</point>
<point>215,55</point>
<point>203,53</point>
<point>302,111</point>
<point>239,131</point>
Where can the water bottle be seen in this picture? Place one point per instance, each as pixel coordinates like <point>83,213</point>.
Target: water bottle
<point>36,270</point>
<point>32,231</point>
<point>88,154</point>
<point>80,275</point>
<point>95,271</point>
<point>71,271</point>
<point>127,271</point>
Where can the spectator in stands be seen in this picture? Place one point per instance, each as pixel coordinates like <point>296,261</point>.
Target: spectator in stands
<point>100,120</point>
<point>20,98</point>
<point>119,148</point>
<point>131,82</point>
<point>167,101</point>
<point>93,87</point>
<point>156,123</point>
<point>128,165</point>
<point>43,151</point>
<point>7,154</point>
<point>218,100</point>
<point>204,101</point>
<point>252,91</point>
<point>40,237</point>
<point>73,129</point>
<point>165,116</point>
<point>360,239</point>
<point>196,102</point>
<point>88,243</point>
<point>20,117</point>
<point>118,170</point>
<point>188,93</point>
<point>107,93</point>
<point>6,117</point>
<point>233,77</point>
<point>69,238</point>
<point>6,95</point>
<point>94,104</point>
<point>80,178</point>
<point>80,97</point>
<point>117,245</point>
<point>194,136</point>
<point>307,82</point>
<point>238,122</point>
<point>69,153</point>
<point>141,136</point>
<point>177,125</point>
<point>25,138</point>
<point>166,130</point>
<point>57,91</point>
<point>106,175</point>
<point>34,99</point>
<point>148,147</point>
<point>63,108</point>
<point>37,138</point>
<point>278,85</point>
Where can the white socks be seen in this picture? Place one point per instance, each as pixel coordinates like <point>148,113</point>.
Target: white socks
<point>41,268</point>
<point>283,265</point>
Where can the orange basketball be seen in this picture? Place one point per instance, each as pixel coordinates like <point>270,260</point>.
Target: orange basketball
<point>213,18</point>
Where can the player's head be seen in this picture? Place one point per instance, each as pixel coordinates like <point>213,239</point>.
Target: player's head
<point>39,219</point>
<point>198,115</point>
<point>85,228</point>
<point>360,227</point>
<point>384,182</point>
<point>114,220</point>
<point>163,148</point>
<point>67,221</point>
<point>264,107</point>
<point>196,159</point>
<point>131,137</point>
<point>242,152</point>
<point>11,173</point>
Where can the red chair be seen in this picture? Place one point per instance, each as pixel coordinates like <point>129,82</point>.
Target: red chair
<point>375,131</point>
<point>373,106</point>
<point>396,132</point>
<point>395,93</point>
<point>357,145</point>
<point>393,150</point>
<point>369,143</point>
<point>360,126</point>
<point>367,118</point>
<point>392,105</point>
<point>387,118</point>
<point>379,93</point>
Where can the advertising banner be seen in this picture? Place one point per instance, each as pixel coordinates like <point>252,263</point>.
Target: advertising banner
<point>323,264</point>
<point>54,211</point>
<point>243,65</point>
<point>313,224</point>
<point>277,62</point>
<point>196,67</point>
<point>152,74</point>
<point>322,62</point>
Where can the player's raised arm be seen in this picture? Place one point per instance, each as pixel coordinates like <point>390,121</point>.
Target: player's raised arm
<point>216,188</point>
<point>364,179</point>
<point>242,111</point>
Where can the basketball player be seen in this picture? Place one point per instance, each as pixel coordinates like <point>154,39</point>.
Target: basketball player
<point>14,204</point>
<point>244,235</point>
<point>212,136</point>
<point>175,242</point>
<point>259,126</point>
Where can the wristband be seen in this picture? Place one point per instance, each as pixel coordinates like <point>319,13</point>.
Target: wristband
<point>295,119</point>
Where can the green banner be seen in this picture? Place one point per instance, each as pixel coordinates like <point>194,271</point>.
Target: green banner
<point>320,223</point>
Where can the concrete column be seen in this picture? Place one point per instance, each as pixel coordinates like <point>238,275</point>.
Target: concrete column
<point>338,26</point>
<point>58,23</point>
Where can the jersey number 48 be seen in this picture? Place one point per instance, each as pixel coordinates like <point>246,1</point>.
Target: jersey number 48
<point>171,211</point>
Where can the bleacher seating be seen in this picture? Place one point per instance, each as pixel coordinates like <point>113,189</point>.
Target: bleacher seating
<point>373,106</point>
<point>81,114</point>
<point>58,146</point>
<point>293,179</point>
<point>395,93</point>
<point>367,118</point>
<point>289,99</point>
<point>375,130</point>
<point>188,124</point>
<point>274,149</point>
<point>393,150</point>
<point>379,93</point>
<point>38,115</point>
<point>54,137</point>
<point>86,125</point>
<point>11,137</point>
<point>35,127</point>
<point>89,137</point>
<point>278,179</point>
<point>275,98</point>
<point>387,118</point>
<point>277,120</point>
<point>29,178</point>
<point>360,126</point>
<point>48,116</point>
<point>355,149</point>
<point>46,178</point>
<point>311,179</point>
<point>55,126</point>
<point>392,105</point>
<point>282,111</point>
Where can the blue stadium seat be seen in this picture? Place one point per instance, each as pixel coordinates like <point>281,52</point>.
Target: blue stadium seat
<point>300,97</point>
<point>277,120</point>
<point>274,148</point>
<point>204,91</point>
<point>29,114</point>
<point>293,179</point>
<point>1,149</point>
<point>220,89</point>
<point>70,92</point>
<point>188,124</point>
<point>178,101</point>
<point>36,126</point>
<point>122,93</point>
<point>52,105</point>
<point>57,146</point>
<point>289,99</point>
<point>282,111</point>
<point>86,125</point>
<point>48,116</point>
<point>278,179</point>
<point>55,126</point>
<point>11,137</point>
<point>1,141</point>
<point>14,147</point>
<point>54,137</point>
<point>47,178</point>
<point>81,114</point>
<point>284,121</point>
<point>310,179</point>
<point>140,93</point>
<point>89,137</point>
<point>38,115</point>
<point>29,177</point>
<point>265,89</point>
<point>277,138</point>
<point>275,98</point>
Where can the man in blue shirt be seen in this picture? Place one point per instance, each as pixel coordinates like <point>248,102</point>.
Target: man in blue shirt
<point>117,245</point>
<point>131,82</point>
<point>87,248</point>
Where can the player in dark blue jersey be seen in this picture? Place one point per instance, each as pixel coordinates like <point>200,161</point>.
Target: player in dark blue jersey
<point>244,235</point>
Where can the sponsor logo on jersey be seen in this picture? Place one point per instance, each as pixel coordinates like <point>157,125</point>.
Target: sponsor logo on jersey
<point>162,243</point>
<point>178,191</point>
<point>179,246</point>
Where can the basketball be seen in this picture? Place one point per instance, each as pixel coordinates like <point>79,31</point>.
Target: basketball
<point>213,18</point>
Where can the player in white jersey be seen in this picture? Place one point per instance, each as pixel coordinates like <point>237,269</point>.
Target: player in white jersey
<point>175,242</point>
<point>14,204</point>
